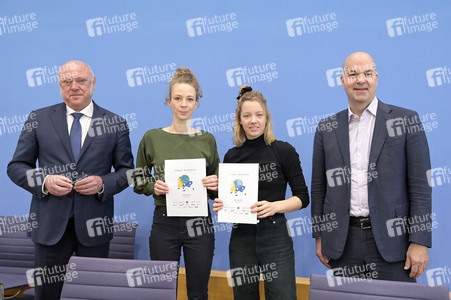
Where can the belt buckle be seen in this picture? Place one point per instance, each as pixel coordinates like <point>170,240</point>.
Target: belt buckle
<point>362,226</point>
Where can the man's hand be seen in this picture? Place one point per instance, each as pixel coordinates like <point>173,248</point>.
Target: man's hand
<point>324,260</point>
<point>89,186</point>
<point>58,185</point>
<point>417,259</point>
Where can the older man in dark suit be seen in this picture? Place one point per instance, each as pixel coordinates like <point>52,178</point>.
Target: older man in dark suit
<point>76,144</point>
<point>369,176</point>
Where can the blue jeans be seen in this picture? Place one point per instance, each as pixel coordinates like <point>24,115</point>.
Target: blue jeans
<point>267,248</point>
<point>196,236</point>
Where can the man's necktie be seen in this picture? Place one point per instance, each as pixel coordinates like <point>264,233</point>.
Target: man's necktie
<point>75,135</point>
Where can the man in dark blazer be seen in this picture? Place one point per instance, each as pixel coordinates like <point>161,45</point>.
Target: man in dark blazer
<point>369,177</point>
<point>76,144</point>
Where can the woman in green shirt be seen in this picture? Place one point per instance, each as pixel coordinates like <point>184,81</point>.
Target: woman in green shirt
<point>180,141</point>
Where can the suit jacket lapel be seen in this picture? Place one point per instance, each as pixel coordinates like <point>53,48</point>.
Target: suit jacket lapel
<point>342,134</point>
<point>380,131</point>
<point>59,121</point>
<point>91,135</point>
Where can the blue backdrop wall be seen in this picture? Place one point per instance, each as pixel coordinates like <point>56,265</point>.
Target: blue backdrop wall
<point>291,51</point>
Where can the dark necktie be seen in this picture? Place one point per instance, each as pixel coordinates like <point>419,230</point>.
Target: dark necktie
<point>75,136</point>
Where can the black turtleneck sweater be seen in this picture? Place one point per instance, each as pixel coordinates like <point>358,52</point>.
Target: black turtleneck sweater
<point>278,163</point>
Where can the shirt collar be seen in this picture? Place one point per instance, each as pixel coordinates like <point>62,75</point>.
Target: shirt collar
<point>87,111</point>
<point>372,108</point>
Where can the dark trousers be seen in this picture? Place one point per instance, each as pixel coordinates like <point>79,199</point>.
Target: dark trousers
<point>196,236</point>
<point>362,259</point>
<point>266,248</point>
<point>54,259</point>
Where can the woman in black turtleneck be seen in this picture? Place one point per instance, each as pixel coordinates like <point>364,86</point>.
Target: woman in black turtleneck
<point>266,246</point>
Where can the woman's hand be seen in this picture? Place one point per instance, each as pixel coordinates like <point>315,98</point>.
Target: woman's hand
<point>218,205</point>
<point>264,209</point>
<point>211,182</point>
<point>160,188</point>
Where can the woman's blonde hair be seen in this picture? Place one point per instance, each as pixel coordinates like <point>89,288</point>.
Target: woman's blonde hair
<point>184,75</point>
<point>247,94</point>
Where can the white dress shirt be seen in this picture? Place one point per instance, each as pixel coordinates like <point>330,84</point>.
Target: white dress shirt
<point>360,137</point>
<point>85,120</point>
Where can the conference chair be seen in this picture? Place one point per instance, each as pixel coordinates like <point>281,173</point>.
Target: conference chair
<point>340,288</point>
<point>118,279</point>
<point>16,255</point>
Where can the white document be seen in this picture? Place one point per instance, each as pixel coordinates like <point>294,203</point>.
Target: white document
<point>238,189</point>
<point>187,195</point>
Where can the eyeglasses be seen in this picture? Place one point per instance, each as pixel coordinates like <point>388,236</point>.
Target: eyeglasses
<point>366,76</point>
